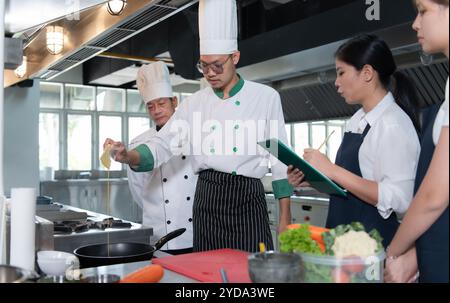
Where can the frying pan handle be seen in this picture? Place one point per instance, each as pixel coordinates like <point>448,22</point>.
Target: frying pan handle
<point>169,237</point>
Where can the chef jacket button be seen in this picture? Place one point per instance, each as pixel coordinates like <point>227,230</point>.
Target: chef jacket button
<point>190,219</point>
<point>234,173</point>
<point>188,198</point>
<point>235,149</point>
<point>168,222</point>
<point>183,158</point>
<point>212,150</point>
<point>186,177</point>
<point>236,126</point>
<point>167,201</point>
<point>237,103</point>
<point>165,180</point>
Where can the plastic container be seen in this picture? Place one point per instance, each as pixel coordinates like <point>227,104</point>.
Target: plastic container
<point>329,269</point>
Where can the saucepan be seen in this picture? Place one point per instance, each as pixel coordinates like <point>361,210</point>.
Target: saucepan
<point>118,253</point>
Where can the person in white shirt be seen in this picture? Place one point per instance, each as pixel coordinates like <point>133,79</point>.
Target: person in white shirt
<point>165,194</point>
<point>378,157</point>
<point>426,222</point>
<point>223,124</point>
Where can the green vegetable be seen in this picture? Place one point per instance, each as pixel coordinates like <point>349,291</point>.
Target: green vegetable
<point>374,234</point>
<point>316,273</point>
<point>299,240</point>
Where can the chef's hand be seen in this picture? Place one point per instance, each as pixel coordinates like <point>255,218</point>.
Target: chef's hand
<point>296,177</point>
<point>403,269</point>
<point>118,151</point>
<point>319,161</point>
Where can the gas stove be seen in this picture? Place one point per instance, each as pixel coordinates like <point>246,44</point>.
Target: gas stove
<point>85,228</point>
<point>69,227</point>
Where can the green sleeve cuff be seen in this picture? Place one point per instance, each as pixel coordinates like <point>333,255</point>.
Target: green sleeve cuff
<point>147,162</point>
<point>282,189</point>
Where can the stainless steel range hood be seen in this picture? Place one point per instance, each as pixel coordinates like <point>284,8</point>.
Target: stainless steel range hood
<point>95,32</point>
<point>23,15</point>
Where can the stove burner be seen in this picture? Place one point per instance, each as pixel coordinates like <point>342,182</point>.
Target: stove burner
<point>68,227</point>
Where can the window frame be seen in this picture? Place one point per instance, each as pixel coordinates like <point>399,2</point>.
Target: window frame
<point>327,123</point>
<point>64,111</point>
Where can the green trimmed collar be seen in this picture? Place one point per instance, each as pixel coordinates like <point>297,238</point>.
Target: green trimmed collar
<point>236,89</point>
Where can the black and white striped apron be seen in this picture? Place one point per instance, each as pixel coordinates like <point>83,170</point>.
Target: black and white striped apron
<point>230,212</point>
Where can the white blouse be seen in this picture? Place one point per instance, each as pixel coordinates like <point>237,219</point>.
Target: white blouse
<point>389,154</point>
<point>441,118</point>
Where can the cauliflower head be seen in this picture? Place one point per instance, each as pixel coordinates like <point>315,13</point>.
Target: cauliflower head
<point>354,243</point>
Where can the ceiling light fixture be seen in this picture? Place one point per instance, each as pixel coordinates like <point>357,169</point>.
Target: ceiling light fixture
<point>21,71</point>
<point>55,39</point>
<point>116,7</point>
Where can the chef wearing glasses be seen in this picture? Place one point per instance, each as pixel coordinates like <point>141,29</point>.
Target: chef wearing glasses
<point>229,208</point>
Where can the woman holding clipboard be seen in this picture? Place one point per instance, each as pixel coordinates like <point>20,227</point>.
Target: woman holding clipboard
<point>378,157</point>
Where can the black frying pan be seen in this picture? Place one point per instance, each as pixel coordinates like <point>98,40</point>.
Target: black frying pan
<point>118,253</point>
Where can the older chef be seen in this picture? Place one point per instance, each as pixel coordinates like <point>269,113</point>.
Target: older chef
<point>166,194</point>
<point>230,210</point>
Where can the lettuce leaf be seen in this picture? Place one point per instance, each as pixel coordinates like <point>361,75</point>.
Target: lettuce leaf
<point>298,240</point>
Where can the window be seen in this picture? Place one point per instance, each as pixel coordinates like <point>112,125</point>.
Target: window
<point>48,140</point>
<point>136,126</point>
<point>334,142</point>
<point>301,132</point>
<point>80,97</point>
<point>79,142</point>
<point>51,95</point>
<point>288,134</point>
<point>109,127</point>
<point>74,121</point>
<point>110,100</point>
<point>313,134</point>
<point>135,103</point>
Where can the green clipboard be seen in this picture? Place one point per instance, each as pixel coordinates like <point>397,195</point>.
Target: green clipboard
<point>314,177</point>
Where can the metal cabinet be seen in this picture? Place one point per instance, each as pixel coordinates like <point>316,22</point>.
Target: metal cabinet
<point>309,210</point>
<point>111,197</point>
<point>303,209</point>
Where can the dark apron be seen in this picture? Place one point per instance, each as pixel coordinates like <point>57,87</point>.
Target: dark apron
<point>432,246</point>
<point>352,209</point>
<point>230,212</point>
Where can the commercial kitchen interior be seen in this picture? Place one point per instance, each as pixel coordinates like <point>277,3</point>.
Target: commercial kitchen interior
<point>56,116</point>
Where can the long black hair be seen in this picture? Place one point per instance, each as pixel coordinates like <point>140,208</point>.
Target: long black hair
<point>372,50</point>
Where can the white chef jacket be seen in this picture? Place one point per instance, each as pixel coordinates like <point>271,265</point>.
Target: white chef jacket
<point>166,196</point>
<point>389,154</point>
<point>230,129</point>
<point>441,118</point>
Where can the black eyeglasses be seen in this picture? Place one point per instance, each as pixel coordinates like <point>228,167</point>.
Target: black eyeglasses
<point>217,68</point>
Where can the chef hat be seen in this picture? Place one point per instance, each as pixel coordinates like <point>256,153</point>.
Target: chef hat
<point>153,82</point>
<point>218,27</point>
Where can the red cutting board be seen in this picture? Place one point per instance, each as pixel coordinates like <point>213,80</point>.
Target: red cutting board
<point>205,266</point>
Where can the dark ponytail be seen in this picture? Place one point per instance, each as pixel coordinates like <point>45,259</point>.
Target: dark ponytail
<point>371,50</point>
<point>405,95</point>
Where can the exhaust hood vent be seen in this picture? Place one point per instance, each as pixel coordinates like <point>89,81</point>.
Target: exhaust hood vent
<point>146,15</point>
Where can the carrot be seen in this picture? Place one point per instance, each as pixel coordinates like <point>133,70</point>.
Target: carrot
<point>316,235</point>
<point>293,226</point>
<point>149,274</point>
